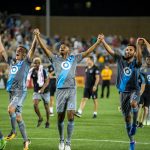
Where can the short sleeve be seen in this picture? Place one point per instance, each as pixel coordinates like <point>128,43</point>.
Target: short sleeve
<point>78,57</point>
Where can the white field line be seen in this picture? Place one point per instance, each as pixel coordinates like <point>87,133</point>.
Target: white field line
<point>89,140</point>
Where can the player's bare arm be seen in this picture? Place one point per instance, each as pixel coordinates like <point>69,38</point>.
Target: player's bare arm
<point>145,42</point>
<point>32,49</point>
<point>96,82</point>
<point>91,49</point>
<point>2,51</point>
<point>42,44</point>
<point>45,85</point>
<point>107,47</point>
<point>139,52</point>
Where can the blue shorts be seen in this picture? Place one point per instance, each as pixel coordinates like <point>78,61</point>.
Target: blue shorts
<point>126,99</point>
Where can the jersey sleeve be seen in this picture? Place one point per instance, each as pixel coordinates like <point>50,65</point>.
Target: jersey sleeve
<point>117,55</point>
<point>97,71</point>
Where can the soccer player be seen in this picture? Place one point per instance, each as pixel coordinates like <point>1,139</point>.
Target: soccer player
<point>52,86</point>
<point>127,84</point>
<point>16,86</point>
<point>145,101</point>
<point>106,74</point>
<point>3,57</point>
<point>65,65</point>
<point>38,75</point>
<point>91,86</point>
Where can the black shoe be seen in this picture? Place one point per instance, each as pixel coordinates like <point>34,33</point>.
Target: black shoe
<point>94,116</point>
<point>140,125</point>
<point>39,122</point>
<point>47,125</point>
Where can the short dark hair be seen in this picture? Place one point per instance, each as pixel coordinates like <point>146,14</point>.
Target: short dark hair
<point>23,48</point>
<point>91,57</point>
<point>133,45</point>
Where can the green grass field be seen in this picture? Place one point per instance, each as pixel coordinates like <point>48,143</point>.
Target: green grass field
<point>107,132</point>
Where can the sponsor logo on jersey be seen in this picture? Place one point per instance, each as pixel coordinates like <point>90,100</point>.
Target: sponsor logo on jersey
<point>127,71</point>
<point>65,65</point>
<point>14,69</point>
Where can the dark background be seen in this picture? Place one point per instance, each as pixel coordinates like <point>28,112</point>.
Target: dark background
<point>79,7</point>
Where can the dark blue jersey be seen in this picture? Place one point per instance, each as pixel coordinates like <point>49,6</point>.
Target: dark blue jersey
<point>145,72</point>
<point>90,74</point>
<point>128,74</point>
<point>34,76</point>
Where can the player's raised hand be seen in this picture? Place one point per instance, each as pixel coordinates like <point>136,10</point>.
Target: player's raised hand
<point>36,31</point>
<point>101,37</point>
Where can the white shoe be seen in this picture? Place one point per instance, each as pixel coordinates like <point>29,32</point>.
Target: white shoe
<point>148,122</point>
<point>67,147</point>
<point>61,146</point>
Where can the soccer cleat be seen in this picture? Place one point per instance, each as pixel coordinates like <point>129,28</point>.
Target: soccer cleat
<point>26,144</point>
<point>47,125</point>
<point>10,136</point>
<point>2,144</point>
<point>140,125</point>
<point>94,116</point>
<point>132,145</point>
<point>39,122</point>
<point>133,130</point>
<point>61,145</point>
<point>77,114</point>
<point>67,147</point>
<point>51,114</point>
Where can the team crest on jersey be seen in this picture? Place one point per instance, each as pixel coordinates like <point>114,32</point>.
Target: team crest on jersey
<point>127,71</point>
<point>14,69</point>
<point>66,65</point>
<point>148,78</point>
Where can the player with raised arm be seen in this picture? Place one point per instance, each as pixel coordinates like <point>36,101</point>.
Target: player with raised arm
<point>127,84</point>
<point>16,86</point>
<point>65,65</point>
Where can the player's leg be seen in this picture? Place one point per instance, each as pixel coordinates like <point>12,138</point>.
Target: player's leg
<point>36,100</point>
<point>108,89</point>
<point>51,106</point>
<point>2,141</point>
<point>61,107</point>
<point>126,108</point>
<point>11,110</point>
<point>45,98</point>
<point>95,100</point>
<point>52,92</point>
<point>86,96</point>
<point>103,87</point>
<point>134,100</point>
<point>20,121</point>
<point>140,111</point>
<point>71,107</point>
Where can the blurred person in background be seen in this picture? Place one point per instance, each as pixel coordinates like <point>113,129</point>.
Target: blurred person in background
<point>106,75</point>
<point>39,75</point>
<point>91,86</point>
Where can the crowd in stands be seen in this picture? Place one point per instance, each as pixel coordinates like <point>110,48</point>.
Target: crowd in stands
<point>15,32</point>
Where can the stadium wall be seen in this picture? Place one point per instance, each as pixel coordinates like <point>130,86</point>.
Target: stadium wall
<point>87,26</point>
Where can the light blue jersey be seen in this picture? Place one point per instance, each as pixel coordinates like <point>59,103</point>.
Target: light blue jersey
<point>65,70</point>
<point>18,76</point>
